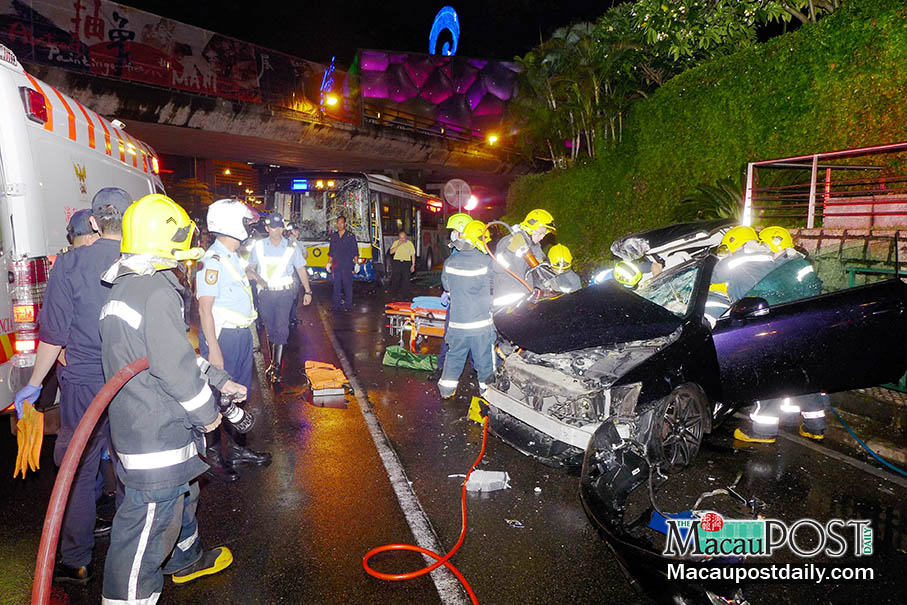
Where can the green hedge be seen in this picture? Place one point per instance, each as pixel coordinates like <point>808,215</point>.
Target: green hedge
<point>836,84</point>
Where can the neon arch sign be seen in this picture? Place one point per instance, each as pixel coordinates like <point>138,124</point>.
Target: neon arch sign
<point>445,19</point>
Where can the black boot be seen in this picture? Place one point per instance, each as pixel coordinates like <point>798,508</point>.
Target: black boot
<point>218,471</point>
<point>276,363</point>
<point>269,373</point>
<point>238,453</point>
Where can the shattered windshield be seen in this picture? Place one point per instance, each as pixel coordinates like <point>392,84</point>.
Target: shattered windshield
<point>672,289</point>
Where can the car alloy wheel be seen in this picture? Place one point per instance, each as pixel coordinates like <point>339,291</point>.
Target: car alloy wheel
<point>680,426</point>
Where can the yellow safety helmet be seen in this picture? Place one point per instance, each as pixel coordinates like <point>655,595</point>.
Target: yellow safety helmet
<point>474,233</point>
<point>158,226</point>
<point>458,221</point>
<point>560,257</point>
<point>777,238</point>
<point>627,273</point>
<point>737,236</point>
<point>536,219</point>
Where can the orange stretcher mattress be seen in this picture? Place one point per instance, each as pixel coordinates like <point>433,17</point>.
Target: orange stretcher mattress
<point>420,322</point>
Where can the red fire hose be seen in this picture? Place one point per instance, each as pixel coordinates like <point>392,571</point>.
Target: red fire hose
<point>439,559</point>
<point>54,518</point>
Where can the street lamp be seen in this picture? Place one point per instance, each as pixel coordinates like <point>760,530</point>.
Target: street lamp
<point>492,139</point>
<point>331,100</point>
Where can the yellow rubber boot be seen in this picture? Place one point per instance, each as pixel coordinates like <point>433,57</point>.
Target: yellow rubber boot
<point>814,436</point>
<point>741,436</point>
<point>212,562</point>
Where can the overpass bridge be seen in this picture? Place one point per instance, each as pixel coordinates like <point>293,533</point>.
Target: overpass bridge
<point>192,92</point>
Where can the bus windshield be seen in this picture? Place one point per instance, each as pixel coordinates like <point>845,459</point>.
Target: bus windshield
<point>318,203</point>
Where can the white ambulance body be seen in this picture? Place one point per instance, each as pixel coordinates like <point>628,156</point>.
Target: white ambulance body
<point>55,154</point>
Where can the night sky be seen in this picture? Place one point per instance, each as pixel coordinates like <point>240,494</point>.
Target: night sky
<point>318,30</point>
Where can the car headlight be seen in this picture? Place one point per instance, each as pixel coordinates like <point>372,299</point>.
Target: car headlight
<point>623,398</point>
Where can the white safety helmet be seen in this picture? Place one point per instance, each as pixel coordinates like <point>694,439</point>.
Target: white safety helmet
<point>230,217</point>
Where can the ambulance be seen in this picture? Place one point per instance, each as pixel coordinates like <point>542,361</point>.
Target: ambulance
<point>55,154</point>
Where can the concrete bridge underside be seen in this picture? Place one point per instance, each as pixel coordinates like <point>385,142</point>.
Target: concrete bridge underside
<point>206,127</point>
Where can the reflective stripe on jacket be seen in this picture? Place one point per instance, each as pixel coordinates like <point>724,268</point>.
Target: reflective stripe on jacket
<point>156,418</point>
<point>468,276</point>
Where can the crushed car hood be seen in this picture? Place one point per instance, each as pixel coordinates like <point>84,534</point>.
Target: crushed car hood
<point>602,314</point>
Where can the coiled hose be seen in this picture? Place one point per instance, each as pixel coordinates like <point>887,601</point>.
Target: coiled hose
<point>44,566</point>
<point>439,560</point>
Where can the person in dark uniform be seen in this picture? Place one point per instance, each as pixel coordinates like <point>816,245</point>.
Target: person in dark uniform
<point>69,318</point>
<point>343,253</point>
<point>271,265</point>
<point>226,315</point>
<point>292,235</point>
<point>468,277</point>
<point>159,418</point>
<point>79,231</point>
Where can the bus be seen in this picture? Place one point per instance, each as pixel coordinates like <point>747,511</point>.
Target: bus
<point>376,208</point>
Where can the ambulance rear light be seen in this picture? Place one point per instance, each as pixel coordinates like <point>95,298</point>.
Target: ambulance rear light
<point>155,165</point>
<point>26,342</point>
<point>28,279</point>
<point>35,104</point>
<point>25,313</point>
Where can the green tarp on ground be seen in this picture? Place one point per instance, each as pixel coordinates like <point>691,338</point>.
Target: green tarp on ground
<point>398,357</point>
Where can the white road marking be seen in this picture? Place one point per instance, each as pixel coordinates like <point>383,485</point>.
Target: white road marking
<point>447,585</point>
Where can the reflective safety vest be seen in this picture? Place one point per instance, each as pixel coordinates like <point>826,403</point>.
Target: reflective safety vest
<point>274,269</point>
<point>228,318</point>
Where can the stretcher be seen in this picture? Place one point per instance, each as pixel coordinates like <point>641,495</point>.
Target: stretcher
<point>420,322</point>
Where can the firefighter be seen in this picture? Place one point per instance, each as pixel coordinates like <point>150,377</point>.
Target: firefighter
<point>565,279</point>
<point>456,223</point>
<point>744,262</point>
<point>69,318</point>
<point>519,252</point>
<point>158,419</point>
<point>765,419</point>
<point>226,315</point>
<point>468,277</point>
<point>271,265</point>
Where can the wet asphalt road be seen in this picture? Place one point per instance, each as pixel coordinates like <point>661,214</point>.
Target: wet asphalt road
<point>298,528</point>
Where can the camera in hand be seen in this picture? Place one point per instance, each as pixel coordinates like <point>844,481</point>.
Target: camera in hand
<point>241,420</point>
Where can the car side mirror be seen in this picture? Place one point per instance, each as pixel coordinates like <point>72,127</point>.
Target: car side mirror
<point>749,307</point>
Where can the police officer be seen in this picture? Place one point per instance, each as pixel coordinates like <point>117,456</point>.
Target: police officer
<point>158,418</point>
<point>456,223</point>
<point>468,277</point>
<point>69,318</point>
<point>271,265</point>
<point>292,235</point>
<point>226,315</point>
<point>518,253</point>
<point>343,253</point>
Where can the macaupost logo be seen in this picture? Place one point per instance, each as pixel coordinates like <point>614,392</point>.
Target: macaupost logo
<point>713,535</point>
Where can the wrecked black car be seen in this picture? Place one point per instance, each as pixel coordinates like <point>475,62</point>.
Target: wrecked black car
<point>628,383</point>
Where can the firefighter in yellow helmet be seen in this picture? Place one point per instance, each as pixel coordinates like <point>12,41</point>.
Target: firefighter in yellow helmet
<point>565,279</point>
<point>158,419</point>
<point>467,275</point>
<point>777,238</point>
<point>744,262</point>
<point>456,223</point>
<point>627,273</point>
<point>520,253</point>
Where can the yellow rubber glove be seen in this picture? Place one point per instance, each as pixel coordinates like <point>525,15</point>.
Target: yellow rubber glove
<point>20,454</point>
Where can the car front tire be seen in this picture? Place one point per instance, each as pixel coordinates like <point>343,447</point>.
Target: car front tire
<point>680,425</point>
